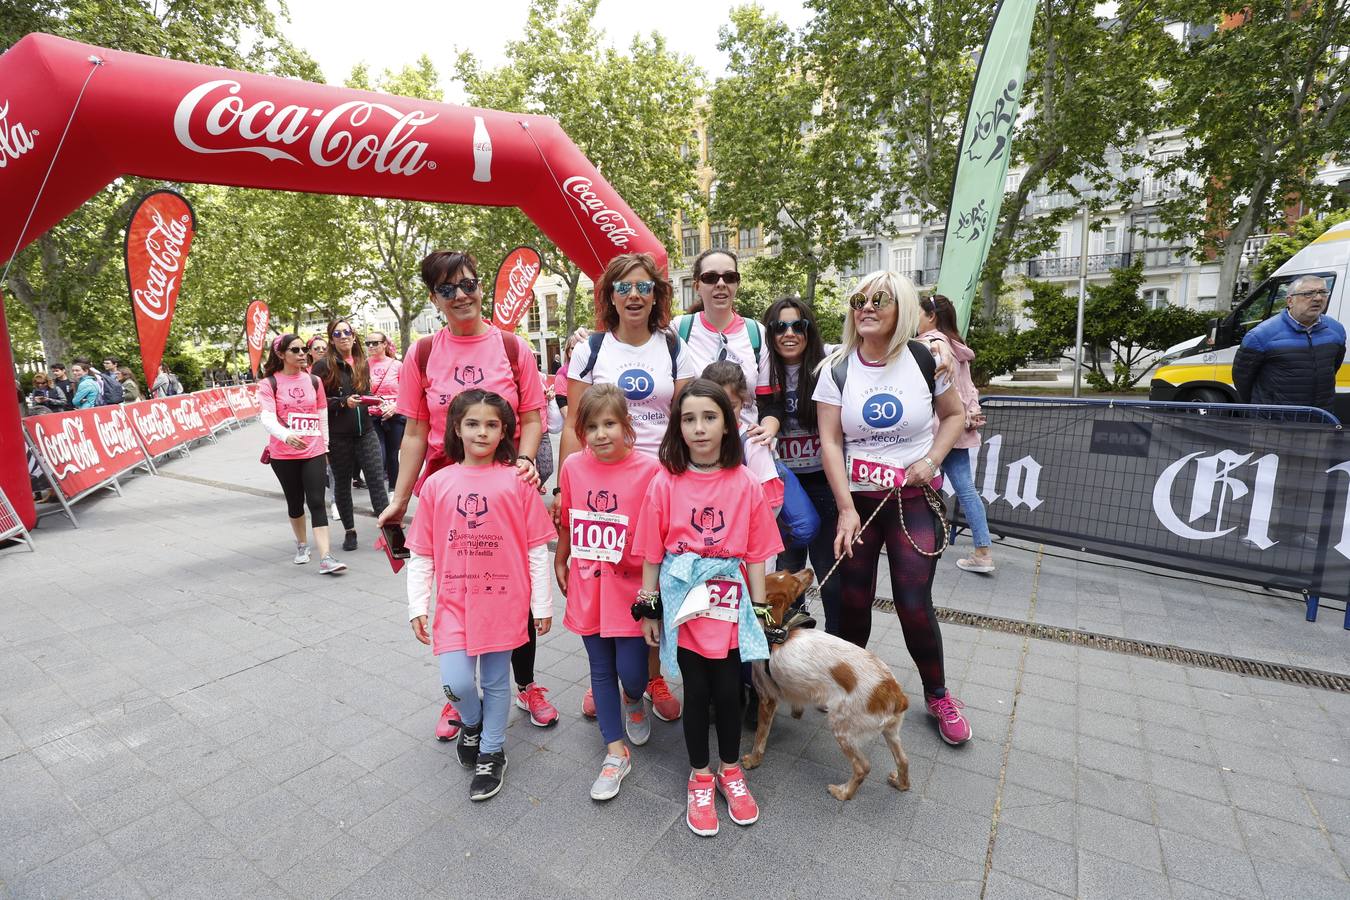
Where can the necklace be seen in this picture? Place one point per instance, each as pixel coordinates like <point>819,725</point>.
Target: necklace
<point>710,467</point>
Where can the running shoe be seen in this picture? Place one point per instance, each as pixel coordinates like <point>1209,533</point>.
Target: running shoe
<point>330,566</point>
<point>588,704</point>
<point>447,726</point>
<point>467,747</point>
<point>349,541</point>
<point>665,705</point>
<point>488,776</point>
<point>952,724</point>
<point>740,805</point>
<point>701,814</point>
<point>612,772</point>
<point>982,564</point>
<point>636,723</point>
<point>542,713</point>
<point>301,554</point>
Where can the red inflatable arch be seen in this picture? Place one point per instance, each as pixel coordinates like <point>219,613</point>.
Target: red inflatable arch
<point>159,118</point>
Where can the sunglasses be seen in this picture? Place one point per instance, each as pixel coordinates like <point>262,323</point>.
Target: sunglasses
<point>319,348</point>
<point>624,288</point>
<point>343,332</point>
<point>712,277</point>
<point>446,291</point>
<point>295,349</point>
<point>880,300</point>
<point>374,343</point>
<point>798,326</point>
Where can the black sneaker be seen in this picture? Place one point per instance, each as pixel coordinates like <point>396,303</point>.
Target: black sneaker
<point>349,542</point>
<point>469,736</point>
<point>488,775</point>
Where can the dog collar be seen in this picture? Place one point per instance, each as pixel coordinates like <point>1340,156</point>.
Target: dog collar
<point>777,633</point>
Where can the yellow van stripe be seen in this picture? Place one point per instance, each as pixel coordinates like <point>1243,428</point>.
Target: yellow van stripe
<point>1181,374</point>
<point>1340,234</point>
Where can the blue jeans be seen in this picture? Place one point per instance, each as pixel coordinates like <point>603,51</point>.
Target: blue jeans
<point>615,660</point>
<point>821,550</point>
<point>957,468</point>
<point>457,675</point>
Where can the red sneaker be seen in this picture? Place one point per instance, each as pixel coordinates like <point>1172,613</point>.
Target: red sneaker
<point>701,816</point>
<point>952,724</point>
<point>665,705</point>
<point>542,713</point>
<point>740,805</point>
<point>588,704</point>
<point>446,729</point>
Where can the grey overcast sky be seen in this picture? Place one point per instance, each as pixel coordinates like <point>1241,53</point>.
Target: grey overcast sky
<point>391,33</point>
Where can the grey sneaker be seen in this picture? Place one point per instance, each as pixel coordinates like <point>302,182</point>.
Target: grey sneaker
<point>330,566</point>
<point>636,723</point>
<point>301,554</point>
<point>612,771</point>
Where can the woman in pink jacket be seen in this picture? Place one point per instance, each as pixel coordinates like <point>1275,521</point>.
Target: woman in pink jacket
<point>938,323</point>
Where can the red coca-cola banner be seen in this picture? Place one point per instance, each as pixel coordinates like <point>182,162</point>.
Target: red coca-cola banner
<point>85,448</point>
<point>215,408</point>
<point>158,240</point>
<point>243,400</point>
<point>255,332</point>
<point>512,292</point>
<point>167,422</point>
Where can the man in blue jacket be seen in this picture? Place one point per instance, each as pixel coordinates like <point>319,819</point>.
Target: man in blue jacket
<point>1291,359</point>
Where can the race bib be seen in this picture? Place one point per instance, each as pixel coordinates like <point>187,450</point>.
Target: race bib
<point>304,424</point>
<point>862,470</point>
<point>800,450</point>
<point>597,536</point>
<point>724,600</point>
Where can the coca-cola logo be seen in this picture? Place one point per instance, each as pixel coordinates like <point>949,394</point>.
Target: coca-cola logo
<point>15,140</point>
<point>67,451</point>
<point>155,423</point>
<point>257,328</point>
<point>612,223</point>
<point>164,250</point>
<point>357,134</point>
<point>188,416</point>
<point>115,433</point>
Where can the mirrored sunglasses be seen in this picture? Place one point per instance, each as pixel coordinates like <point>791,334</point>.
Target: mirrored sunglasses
<point>624,288</point>
<point>879,300</point>
<point>446,291</point>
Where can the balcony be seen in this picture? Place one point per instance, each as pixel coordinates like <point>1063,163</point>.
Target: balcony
<point>1068,266</point>
<point>924,277</point>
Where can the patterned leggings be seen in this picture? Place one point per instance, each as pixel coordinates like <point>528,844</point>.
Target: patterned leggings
<point>911,582</point>
<point>345,453</point>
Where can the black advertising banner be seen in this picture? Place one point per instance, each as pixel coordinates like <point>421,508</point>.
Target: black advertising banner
<point>1257,499</point>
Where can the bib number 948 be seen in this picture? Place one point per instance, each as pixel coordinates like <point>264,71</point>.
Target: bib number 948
<point>863,471</point>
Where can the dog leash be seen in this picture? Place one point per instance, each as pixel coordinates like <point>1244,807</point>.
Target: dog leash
<point>934,503</point>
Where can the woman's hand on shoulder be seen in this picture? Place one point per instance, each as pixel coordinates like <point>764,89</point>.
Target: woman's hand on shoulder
<point>526,472</point>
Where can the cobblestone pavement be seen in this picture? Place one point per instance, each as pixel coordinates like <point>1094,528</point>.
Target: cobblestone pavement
<point>184,712</point>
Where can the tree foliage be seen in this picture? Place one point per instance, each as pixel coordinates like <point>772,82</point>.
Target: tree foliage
<point>1282,247</point>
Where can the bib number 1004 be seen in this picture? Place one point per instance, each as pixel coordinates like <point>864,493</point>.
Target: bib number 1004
<point>602,537</point>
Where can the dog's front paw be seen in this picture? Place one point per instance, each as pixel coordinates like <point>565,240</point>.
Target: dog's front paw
<point>752,760</point>
<point>797,712</point>
<point>900,784</point>
<point>841,792</point>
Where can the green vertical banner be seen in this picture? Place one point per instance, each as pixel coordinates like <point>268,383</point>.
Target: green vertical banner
<point>986,142</point>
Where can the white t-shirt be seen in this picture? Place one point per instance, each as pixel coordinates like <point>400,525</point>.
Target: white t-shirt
<point>887,414</point>
<point>706,347</point>
<point>643,374</point>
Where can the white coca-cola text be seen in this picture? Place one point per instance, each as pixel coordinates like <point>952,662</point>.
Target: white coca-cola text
<point>188,416</point>
<point>518,283</point>
<point>69,450</point>
<point>15,140</point>
<point>155,423</point>
<point>164,248</point>
<point>115,433</point>
<point>611,222</point>
<point>257,328</point>
<point>261,128</point>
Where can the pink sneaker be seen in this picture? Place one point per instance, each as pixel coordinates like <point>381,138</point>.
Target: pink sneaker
<point>952,725</point>
<point>588,704</point>
<point>446,729</point>
<point>665,704</point>
<point>542,713</point>
<point>740,805</point>
<point>701,816</point>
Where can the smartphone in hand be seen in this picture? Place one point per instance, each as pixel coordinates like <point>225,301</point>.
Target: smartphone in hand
<point>394,539</point>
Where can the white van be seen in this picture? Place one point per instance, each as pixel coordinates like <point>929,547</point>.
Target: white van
<point>1202,370</point>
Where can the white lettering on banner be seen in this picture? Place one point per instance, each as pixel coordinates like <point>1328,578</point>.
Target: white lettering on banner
<point>156,423</point>
<point>1024,476</point>
<point>69,450</point>
<point>257,331</point>
<point>518,283</point>
<point>995,445</point>
<point>115,433</point>
<point>1343,546</point>
<point>612,224</point>
<point>188,416</point>
<point>1020,488</point>
<point>1214,473</point>
<point>331,143</point>
<point>15,140</point>
<point>164,248</point>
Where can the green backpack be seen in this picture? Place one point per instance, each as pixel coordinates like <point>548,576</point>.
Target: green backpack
<point>685,324</point>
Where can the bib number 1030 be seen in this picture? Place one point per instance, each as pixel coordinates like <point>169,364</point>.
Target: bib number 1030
<point>597,536</point>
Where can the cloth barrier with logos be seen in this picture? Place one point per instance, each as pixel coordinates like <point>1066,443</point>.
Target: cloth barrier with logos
<point>1259,495</point>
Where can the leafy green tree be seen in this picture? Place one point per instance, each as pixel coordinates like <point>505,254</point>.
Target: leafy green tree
<point>1263,101</point>
<point>999,346</point>
<point>1282,247</point>
<point>766,278</point>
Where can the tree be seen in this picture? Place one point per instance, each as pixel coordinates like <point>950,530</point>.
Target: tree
<point>1282,247</point>
<point>1263,100</point>
<point>621,108</point>
<point>1120,333</point>
<point>789,156</point>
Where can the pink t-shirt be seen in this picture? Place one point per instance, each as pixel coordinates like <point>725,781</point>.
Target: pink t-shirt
<point>478,524</point>
<point>299,405</point>
<point>599,506</point>
<point>560,383</point>
<point>722,513</point>
<point>458,364</point>
<point>384,376</point>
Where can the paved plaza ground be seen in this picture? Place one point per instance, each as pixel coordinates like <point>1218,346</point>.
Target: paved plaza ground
<point>185,713</point>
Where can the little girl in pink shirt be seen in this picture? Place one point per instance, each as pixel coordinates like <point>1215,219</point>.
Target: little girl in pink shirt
<point>481,537</point>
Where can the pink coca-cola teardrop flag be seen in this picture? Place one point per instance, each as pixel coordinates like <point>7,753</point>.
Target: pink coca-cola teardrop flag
<point>255,331</point>
<point>513,292</point>
<point>158,240</point>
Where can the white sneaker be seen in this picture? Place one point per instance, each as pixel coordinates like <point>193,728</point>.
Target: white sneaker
<point>329,565</point>
<point>612,773</point>
<point>301,554</point>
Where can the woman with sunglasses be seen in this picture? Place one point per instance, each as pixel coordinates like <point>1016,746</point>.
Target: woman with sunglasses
<point>887,421</point>
<point>468,353</point>
<point>388,424</point>
<point>352,445</point>
<point>315,350</point>
<point>715,332</point>
<point>634,349</point>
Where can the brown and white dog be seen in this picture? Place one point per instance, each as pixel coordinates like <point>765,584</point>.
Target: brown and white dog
<point>812,667</point>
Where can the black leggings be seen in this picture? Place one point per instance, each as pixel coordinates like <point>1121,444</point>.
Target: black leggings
<point>911,583</point>
<point>715,681</point>
<point>522,658</point>
<point>303,481</point>
<point>345,453</point>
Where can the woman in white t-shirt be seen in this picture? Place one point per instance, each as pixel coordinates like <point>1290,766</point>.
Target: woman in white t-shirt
<point>877,401</point>
<point>635,349</point>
